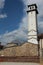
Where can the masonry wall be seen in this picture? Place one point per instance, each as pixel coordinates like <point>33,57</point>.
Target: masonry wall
<point>41,43</point>
<point>41,49</point>
<point>27,49</point>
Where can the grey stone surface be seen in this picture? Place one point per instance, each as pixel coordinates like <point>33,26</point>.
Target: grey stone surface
<point>26,49</point>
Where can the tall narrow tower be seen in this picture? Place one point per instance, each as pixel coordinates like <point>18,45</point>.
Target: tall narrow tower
<point>32,23</point>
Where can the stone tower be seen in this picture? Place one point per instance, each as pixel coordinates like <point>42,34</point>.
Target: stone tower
<point>32,23</point>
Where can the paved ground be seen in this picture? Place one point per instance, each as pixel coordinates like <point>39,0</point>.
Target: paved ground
<point>10,63</point>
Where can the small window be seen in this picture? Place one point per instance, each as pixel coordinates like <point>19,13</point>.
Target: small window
<point>30,7</point>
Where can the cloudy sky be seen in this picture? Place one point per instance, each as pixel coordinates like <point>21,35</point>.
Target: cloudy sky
<point>13,19</point>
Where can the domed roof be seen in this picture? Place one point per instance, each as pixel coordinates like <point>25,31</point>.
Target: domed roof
<point>11,44</point>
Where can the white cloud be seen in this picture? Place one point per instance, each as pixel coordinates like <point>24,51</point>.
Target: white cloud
<point>26,2</point>
<point>3,16</point>
<point>19,34</point>
<point>23,24</point>
<point>39,3</point>
<point>12,36</point>
<point>2,3</point>
<point>40,26</point>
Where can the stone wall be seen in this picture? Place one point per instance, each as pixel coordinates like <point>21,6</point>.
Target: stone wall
<point>26,49</point>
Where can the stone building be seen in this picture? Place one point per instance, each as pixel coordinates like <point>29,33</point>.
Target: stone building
<point>34,44</point>
<point>26,49</point>
<point>32,23</point>
<point>40,37</point>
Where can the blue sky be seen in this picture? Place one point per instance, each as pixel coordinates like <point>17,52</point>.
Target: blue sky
<point>13,19</point>
<point>14,13</point>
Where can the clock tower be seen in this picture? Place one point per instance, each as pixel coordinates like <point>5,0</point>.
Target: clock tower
<point>32,23</point>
